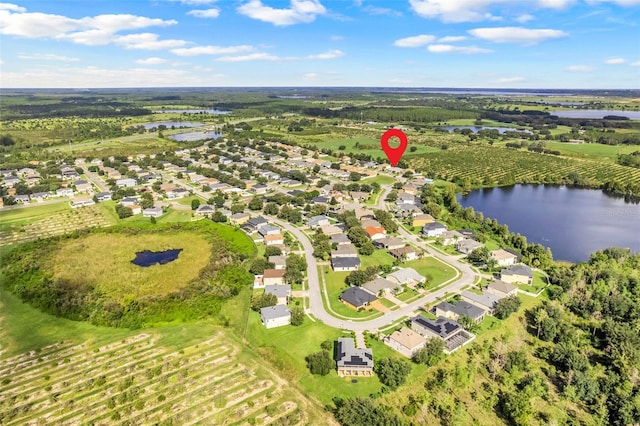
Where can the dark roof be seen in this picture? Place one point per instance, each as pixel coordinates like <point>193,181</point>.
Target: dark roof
<point>442,326</point>
<point>434,225</point>
<point>345,262</point>
<point>349,355</point>
<point>357,297</point>
<point>518,270</point>
<point>462,308</point>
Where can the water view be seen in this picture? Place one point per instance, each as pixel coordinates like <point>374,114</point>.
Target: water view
<point>476,129</point>
<point>147,258</point>
<point>596,113</point>
<point>572,222</point>
<point>195,136</point>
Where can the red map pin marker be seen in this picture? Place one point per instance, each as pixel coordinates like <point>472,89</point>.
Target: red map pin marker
<point>394,154</point>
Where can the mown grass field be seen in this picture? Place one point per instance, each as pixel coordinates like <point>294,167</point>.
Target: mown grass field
<point>432,267</point>
<point>22,215</point>
<point>104,262</point>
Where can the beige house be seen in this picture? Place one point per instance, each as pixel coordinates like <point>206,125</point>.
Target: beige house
<point>273,277</point>
<point>503,257</point>
<point>405,341</point>
<point>502,289</point>
<point>273,239</point>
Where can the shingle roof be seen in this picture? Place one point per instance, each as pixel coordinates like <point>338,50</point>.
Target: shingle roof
<point>345,262</point>
<point>518,270</point>
<point>405,275</point>
<point>357,297</point>
<point>278,290</point>
<point>273,312</point>
<point>462,308</point>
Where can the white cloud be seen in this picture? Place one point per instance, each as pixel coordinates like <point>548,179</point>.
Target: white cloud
<point>555,4</point>
<point>451,39</point>
<point>415,41</point>
<point>12,7</point>
<point>580,68</point>
<point>510,80</point>
<point>635,64</point>
<point>517,34</point>
<point>48,57</point>
<point>147,41</point>
<point>331,54</point>
<point>447,48</point>
<point>374,10</point>
<point>615,61</point>
<point>525,18</point>
<point>206,13</point>
<point>250,57</point>
<point>618,2</point>
<point>151,61</point>
<point>194,2</point>
<point>212,50</point>
<point>300,11</point>
<point>455,10</point>
<point>310,76</point>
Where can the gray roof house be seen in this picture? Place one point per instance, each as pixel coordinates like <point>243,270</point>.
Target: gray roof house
<point>501,288</point>
<point>406,276</point>
<point>316,221</point>
<point>468,245</point>
<point>517,274</point>
<point>279,262</point>
<point>339,239</point>
<point>275,316</point>
<point>357,297</point>
<point>442,327</point>
<point>152,212</point>
<point>458,309</point>
<point>486,301</point>
<point>345,263</point>
<point>380,285</point>
<point>434,229</point>
<point>282,292</point>
<point>205,209</point>
<point>352,361</point>
<point>344,250</point>
<point>268,230</point>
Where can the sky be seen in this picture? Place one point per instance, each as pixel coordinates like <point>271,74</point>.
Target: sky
<point>556,44</point>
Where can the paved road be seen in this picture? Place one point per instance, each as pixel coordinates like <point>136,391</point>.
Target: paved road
<point>95,179</point>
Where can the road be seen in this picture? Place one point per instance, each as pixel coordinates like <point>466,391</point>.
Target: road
<point>95,179</point>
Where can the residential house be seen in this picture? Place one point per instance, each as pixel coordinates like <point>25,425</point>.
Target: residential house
<point>344,250</point>
<point>405,341</point>
<point>407,276</point>
<point>317,221</point>
<point>205,210</point>
<point>375,232</point>
<point>486,300</point>
<point>82,186</point>
<point>503,257</point>
<point>364,214</point>
<point>517,274</point>
<point>345,264</point>
<point>22,198</point>
<point>405,199</point>
<point>339,239</point>
<point>275,316</point>
<point>136,209</point>
<point>152,212</point>
<point>82,202</point>
<point>64,192</point>
<point>366,222</point>
<point>381,286</point>
<point>330,230</point>
<point>273,239</point>
<point>389,243</point>
<point>421,220</point>
<point>282,292</point>
<point>441,327</point>
<point>239,218</point>
<point>177,193</point>
<point>268,230</point>
<point>126,182</point>
<point>405,253</point>
<point>129,201</point>
<point>468,245</point>
<point>458,309</point>
<point>103,196</point>
<point>434,229</point>
<point>279,262</point>
<point>273,277</point>
<point>259,189</point>
<point>41,196</point>
<point>352,361</point>
<point>502,289</point>
<point>11,181</point>
<point>449,238</point>
<point>357,298</point>
<point>255,223</point>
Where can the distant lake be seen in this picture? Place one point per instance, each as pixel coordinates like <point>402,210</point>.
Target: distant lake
<point>169,124</point>
<point>572,222</point>
<point>596,113</point>
<point>148,258</point>
<point>195,136</point>
<point>192,111</point>
<point>476,129</point>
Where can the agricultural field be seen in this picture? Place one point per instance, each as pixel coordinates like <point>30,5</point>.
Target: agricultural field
<point>30,223</point>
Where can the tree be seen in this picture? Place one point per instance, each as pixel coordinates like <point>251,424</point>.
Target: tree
<point>123,212</point>
<point>360,411</point>
<point>146,200</point>
<point>431,353</point>
<point>271,209</point>
<point>297,262</point>
<point>354,176</point>
<point>320,363</point>
<point>297,316</point>
<point>272,251</point>
<point>237,208</point>
<point>195,203</point>
<point>218,217</point>
<point>321,245</point>
<point>259,265</point>
<point>327,345</point>
<point>392,371</point>
<point>367,249</point>
<point>357,278</point>
<point>392,197</point>
<point>293,276</point>
<point>256,203</point>
<point>153,220</point>
<point>358,236</point>
<point>507,306</point>
<point>263,301</point>
<point>479,255</point>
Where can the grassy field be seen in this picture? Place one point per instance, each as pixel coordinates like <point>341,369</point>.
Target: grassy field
<point>594,151</point>
<point>430,266</point>
<point>104,261</point>
<point>366,145</point>
<point>335,285</point>
<point>377,258</point>
<point>23,215</point>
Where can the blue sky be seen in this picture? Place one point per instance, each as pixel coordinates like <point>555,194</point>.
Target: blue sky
<point>587,44</point>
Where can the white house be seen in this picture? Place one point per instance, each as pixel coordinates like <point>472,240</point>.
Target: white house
<point>275,316</point>
<point>126,182</point>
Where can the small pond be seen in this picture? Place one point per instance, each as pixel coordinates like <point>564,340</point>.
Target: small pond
<point>195,136</point>
<point>147,258</point>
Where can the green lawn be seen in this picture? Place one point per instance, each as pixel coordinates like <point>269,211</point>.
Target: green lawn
<point>408,294</point>
<point>387,303</point>
<point>380,179</point>
<point>366,145</point>
<point>377,258</point>
<point>539,282</point>
<point>430,266</point>
<point>592,150</point>
<point>23,215</point>
<point>335,285</point>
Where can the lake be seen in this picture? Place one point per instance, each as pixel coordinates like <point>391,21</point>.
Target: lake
<point>572,222</point>
<point>170,124</point>
<point>147,258</point>
<point>596,113</point>
<point>476,129</point>
<point>192,111</point>
<point>195,136</point>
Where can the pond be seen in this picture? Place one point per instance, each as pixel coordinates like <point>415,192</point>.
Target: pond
<point>596,113</point>
<point>572,222</point>
<point>147,258</point>
<point>195,136</point>
<point>476,129</point>
<point>171,124</point>
<point>192,111</point>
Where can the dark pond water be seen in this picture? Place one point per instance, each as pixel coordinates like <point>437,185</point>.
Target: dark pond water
<point>195,136</point>
<point>596,113</point>
<point>169,124</point>
<point>148,258</point>
<point>572,222</point>
<point>192,111</point>
<point>476,129</point>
